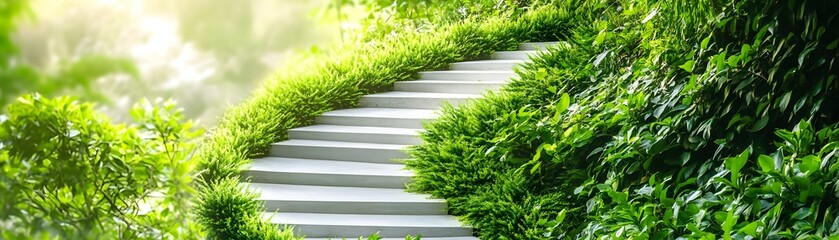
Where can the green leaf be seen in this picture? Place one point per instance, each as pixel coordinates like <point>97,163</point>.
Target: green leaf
<point>752,228</point>
<point>736,163</point>
<point>619,197</point>
<point>600,37</point>
<point>810,164</point>
<point>541,74</point>
<point>560,217</point>
<point>767,164</point>
<point>802,213</point>
<point>728,224</point>
<point>785,101</point>
<point>760,124</point>
<point>688,66</point>
<point>704,43</point>
<point>564,103</point>
<point>803,55</point>
<point>833,44</point>
<point>733,60</point>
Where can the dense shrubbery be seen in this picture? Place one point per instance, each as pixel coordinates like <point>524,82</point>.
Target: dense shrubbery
<point>67,172</point>
<point>295,98</point>
<point>708,119</point>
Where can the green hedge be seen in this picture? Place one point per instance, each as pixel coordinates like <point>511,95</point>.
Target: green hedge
<point>661,119</point>
<point>294,99</point>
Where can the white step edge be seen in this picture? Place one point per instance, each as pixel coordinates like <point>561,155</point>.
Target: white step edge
<point>518,55</point>
<point>346,200</point>
<point>508,64</point>
<point>333,150</point>
<point>328,173</point>
<point>438,86</point>
<point>357,134</point>
<point>417,100</point>
<point>320,225</point>
<point>468,75</point>
<point>378,117</point>
<point>402,238</point>
<point>538,45</point>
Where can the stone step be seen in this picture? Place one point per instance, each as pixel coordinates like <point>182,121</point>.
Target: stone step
<point>328,173</point>
<point>538,45</point>
<point>378,117</point>
<point>487,65</point>
<point>320,225</point>
<point>346,200</point>
<point>334,150</point>
<point>513,55</point>
<point>466,87</point>
<point>402,238</point>
<point>416,100</point>
<point>357,134</point>
<point>468,75</point>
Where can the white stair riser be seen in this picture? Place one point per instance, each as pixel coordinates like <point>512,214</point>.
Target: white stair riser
<point>467,76</point>
<point>407,102</point>
<point>402,238</point>
<point>338,180</point>
<point>338,153</point>
<point>484,65</point>
<point>356,137</point>
<point>517,55</point>
<point>537,46</point>
<point>395,232</point>
<point>420,86</point>
<point>371,121</point>
<point>407,208</point>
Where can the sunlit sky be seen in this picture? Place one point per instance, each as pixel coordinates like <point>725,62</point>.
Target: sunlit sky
<point>207,54</point>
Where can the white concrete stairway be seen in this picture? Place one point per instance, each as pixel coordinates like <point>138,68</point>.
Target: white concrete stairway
<point>342,177</point>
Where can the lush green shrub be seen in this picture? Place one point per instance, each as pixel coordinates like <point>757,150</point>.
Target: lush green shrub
<point>661,119</point>
<point>67,172</point>
<point>295,98</point>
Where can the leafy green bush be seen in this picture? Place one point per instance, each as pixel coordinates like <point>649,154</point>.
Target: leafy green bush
<point>67,172</point>
<point>659,120</point>
<point>295,98</point>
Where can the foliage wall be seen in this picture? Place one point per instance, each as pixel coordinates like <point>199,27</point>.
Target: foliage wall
<point>660,119</point>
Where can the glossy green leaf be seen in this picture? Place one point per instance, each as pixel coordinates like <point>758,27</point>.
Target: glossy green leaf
<point>688,66</point>
<point>810,164</point>
<point>735,164</point>
<point>766,163</point>
<point>564,103</point>
<point>759,124</point>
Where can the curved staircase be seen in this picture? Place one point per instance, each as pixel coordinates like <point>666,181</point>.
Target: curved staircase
<point>341,179</point>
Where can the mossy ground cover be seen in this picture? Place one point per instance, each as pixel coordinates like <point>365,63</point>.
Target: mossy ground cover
<point>659,119</point>
<point>294,99</point>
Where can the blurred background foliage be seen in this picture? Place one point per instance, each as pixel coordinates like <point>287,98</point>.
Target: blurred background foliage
<point>204,54</point>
